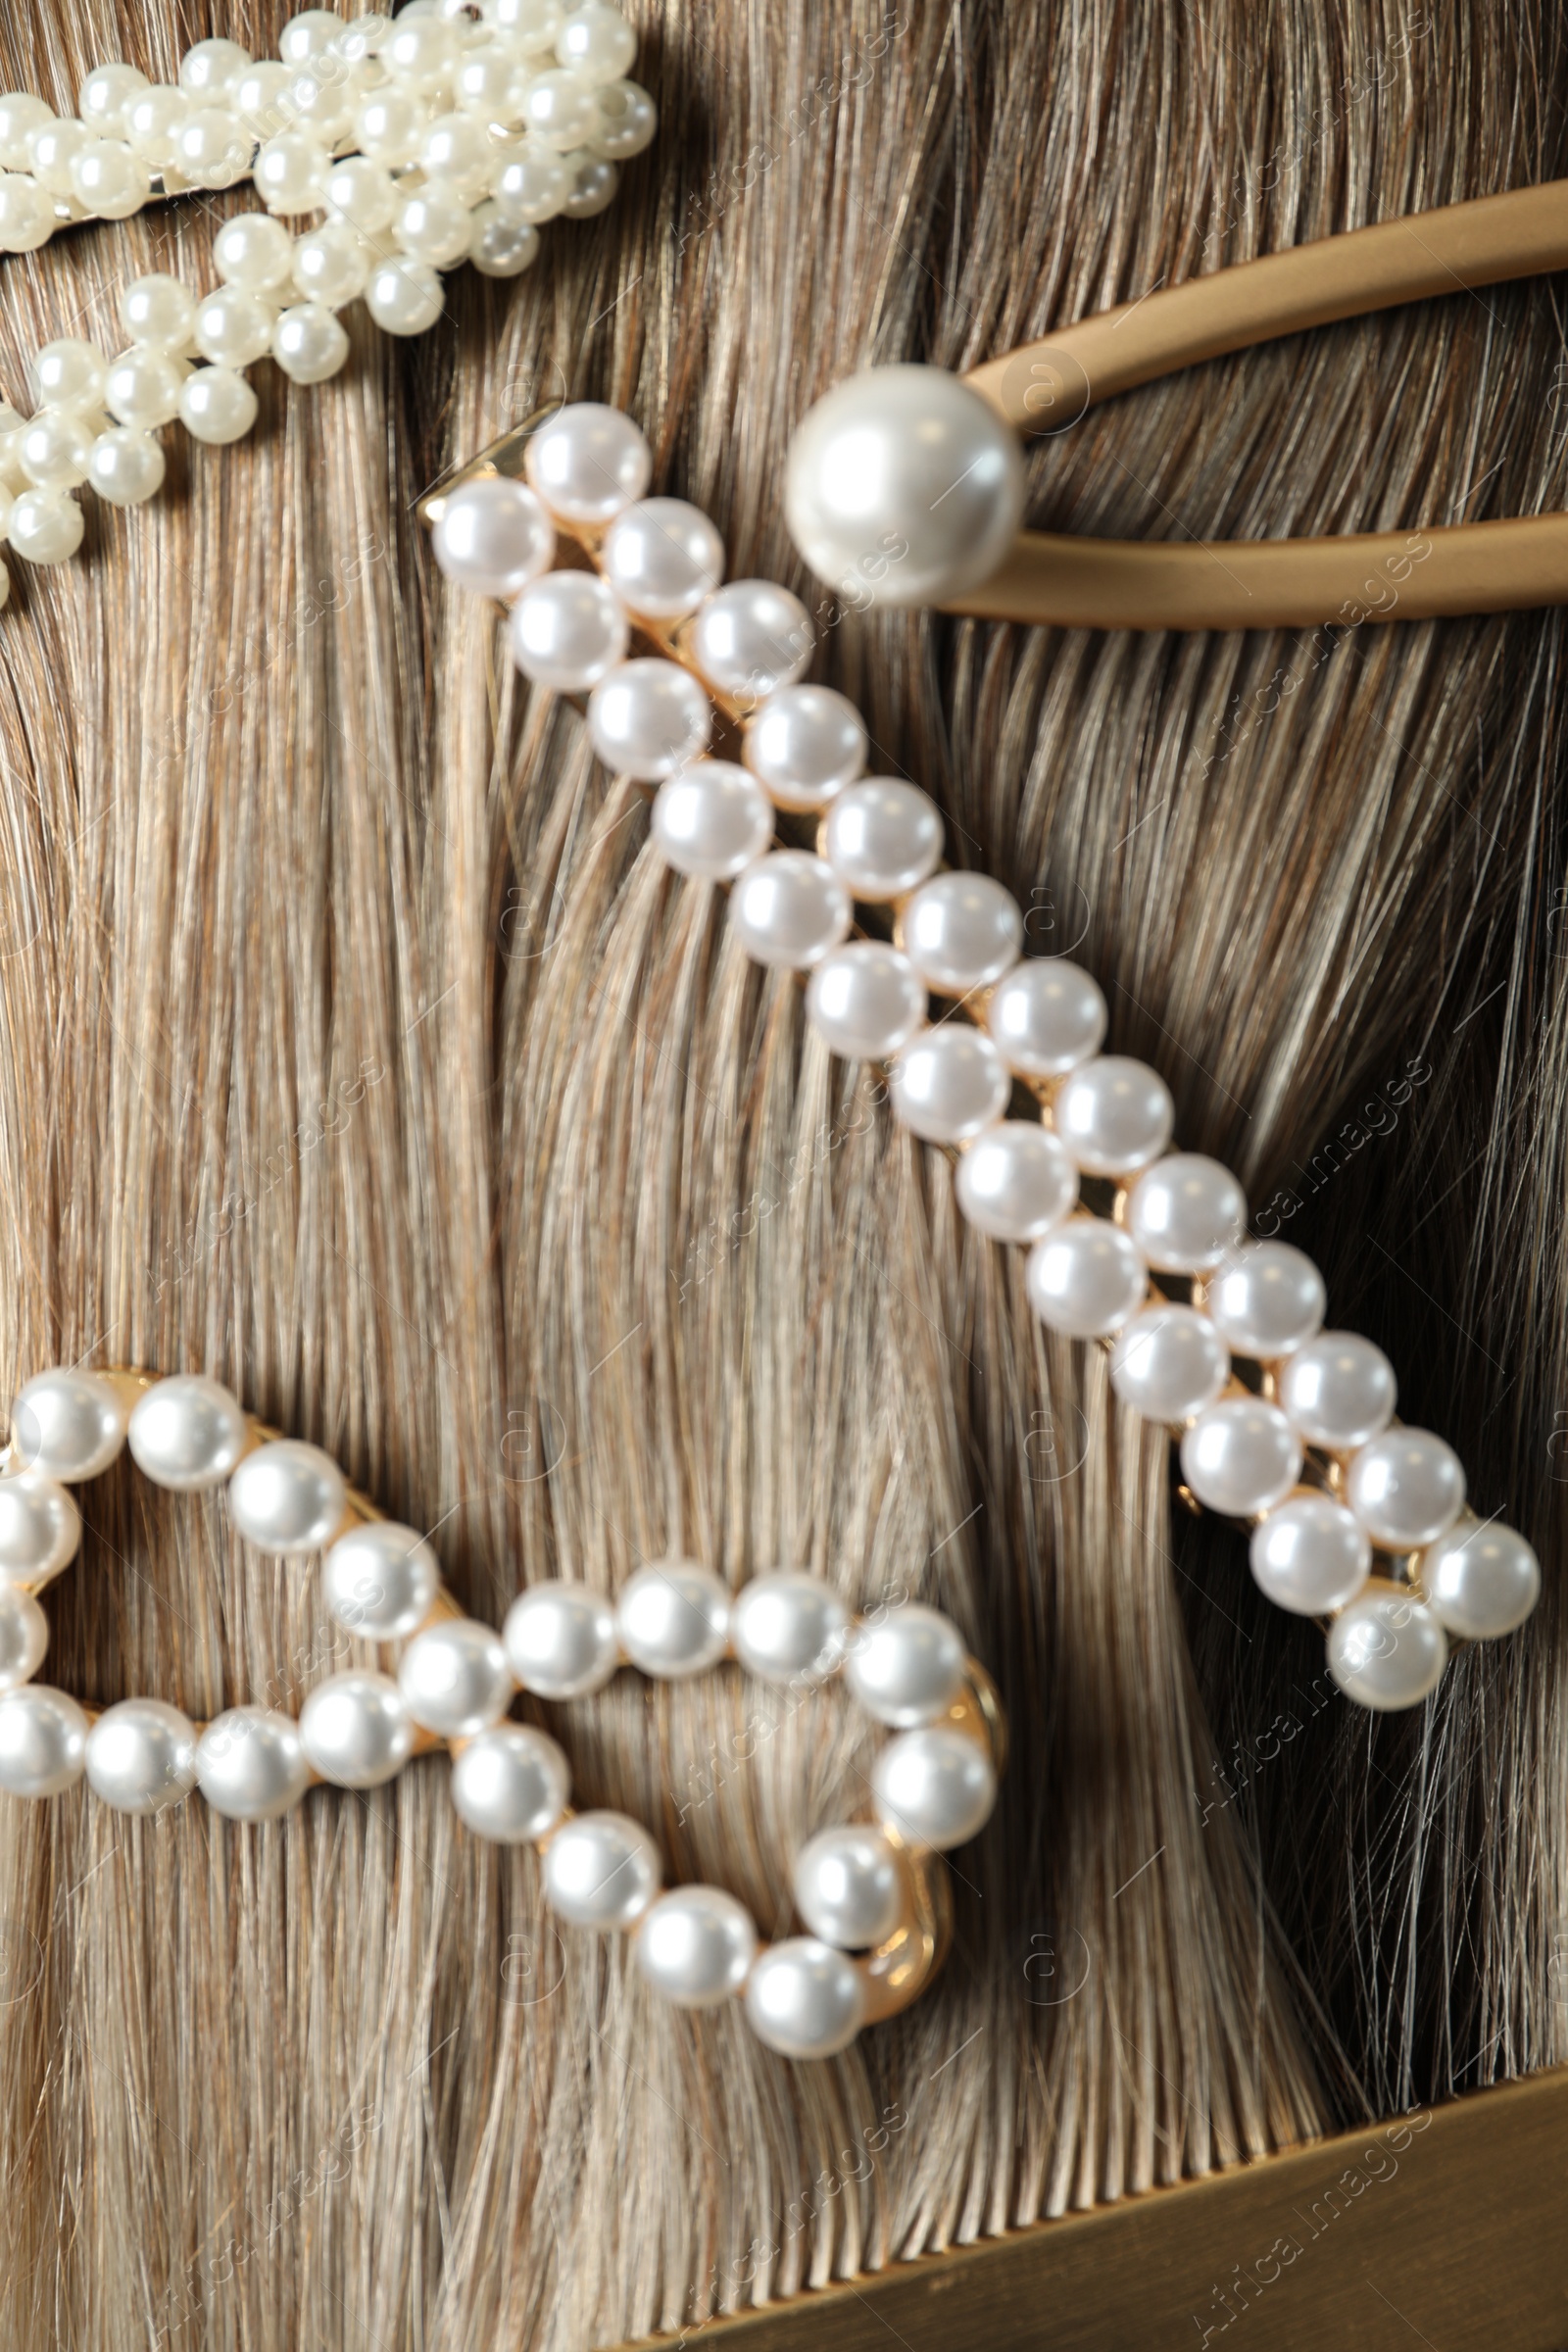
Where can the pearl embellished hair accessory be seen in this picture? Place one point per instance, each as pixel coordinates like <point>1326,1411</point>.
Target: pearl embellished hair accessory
<point>1355,1520</point>
<point>907,484</point>
<point>385,151</point>
<point>872,1894</point>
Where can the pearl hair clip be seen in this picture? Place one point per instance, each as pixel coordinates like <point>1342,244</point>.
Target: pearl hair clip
<point>907,484</point>
<point>405,147</point>
<point>1278,1422</point>
<point>874,1895</point>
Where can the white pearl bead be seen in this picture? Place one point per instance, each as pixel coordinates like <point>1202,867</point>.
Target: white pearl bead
<point>789,1629</point>
<point>711,821</point>
<point>159,309</point>
<point>1240,1456</point>
<point>627,121</point>
<point>909,1669</point>
<point>56,450</point>
<point>497,245</point>
<point>68,1424</point>
<point>789,907</point>
<point>362,193</point>
<point>255,252</point>
<point>882,838</point>
<point>530,26</point>
<point>41,1528</point>
<point>1266,1298</point>
<point>661,556</point>
<point>287,1497</point>
<point>456,150</point>
<point>949,1084</point>
<point>1086,1279</point>
<point>154,121</point>
<point>44,1741</point>
<point>532,187</point>
<point>309,343</point>
<point>560,111</point>
<point>594,183</point>
<point>904,482</point>
<point>865,1000</point>
<point>601,1871</point>
<point>846,1887</point>
<point>26,217</point>
<point>1168,1363</point>
<point>380,1580</point>
<point>19,115</point>
<point>510,1783</point>
<point>24,1637</point>
<point>1309,1556</point>
<point>217,406</point>
<point>935,1786</point>
<point>1481,1580</point>
<point>1186,1213</point>
<point>1406,1487</point>
<point>47,526</point>
<point>355,1731</point>
<point>487,85</point>
<point>1338,1390</point>
<point>69,374</point>
<point>141,1757</point>
<point>1046,1016</point>
<point>109,179</point>
<point>961,932</point>
<point>330,266</point>
<point>646,719</point>
<point>673,1619</point>
<point>403,297</point>
<point>1114,1115</point>
<point>588,463</point>
<point>209,69</point>
<point>1386,1650</point>
<point>211,149</point>
<point>233,327</point>
<point>188,1433</point>
<point>290,172</point>
<point>805,744</point>
<point>309,34</point>
<point>143,387</point>
<point>104,95</point>
<point>455,1679</point>
<point>433,226</point>
<point>1015,1182</point>
<point>750,639</point>
<point>389,126</point>
<point>805,1999</point>
<point>696,1946</point>
<point>52,149</point>
<point>568,632</point>
<point>560,1640</point>
<point>597,42</point>
<point>250,1764</point>
<point>316,102</point>
<point>494,537</point>
<point>420,50</point>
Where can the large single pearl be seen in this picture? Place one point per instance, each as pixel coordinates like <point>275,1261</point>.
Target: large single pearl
<point>1339,1390</point>
<point>627,121</point>
<point>568,632</point>
<point>158,308</point>
<point>213,151</point>
<point>55,449</point>
<point>1311,1555</point>
<point>904,486</point>
<point>41,1528</point>
<point>805,744</point>
<point>789,1629</point>
<point>531,187</point>
<point>789,908</point>
<point>661,556</point>
<point>254,251</point>
<point>595,41</point>
<point>934,1786</point>
<point>233,327</point>
<point>882,838</point>
<point>288,1496</point>
<point>560,1640</point>
<point>1086,1279</point>
<point>646,719</point>
<point>209,70</point>
<point>434,227</point>
<point>19,115</point>
<point>44,1741</point>
<point>1015,1182</point>
<point>104,96</point>
<point>331,266</point>
<point>865,1000</point>
<point>144,385</point>
<point>455,1678</point>
<point>1046,1016</point>
<point>290,172</point>
<point>499,246</point>
<point>24,1637</point>
<point>961,932</point>
<point>310,344</point>
<point>750,639</point>
<point>1406,1487</point>
<point>1186,1212</point>
<point>494,537</point>
<point>362,193</point>
<point>560,111</point>
<point>69,374</point>
<point>1240,1456</point>
<point>404,297</point>
<point>380,1580</point>
<point>52,149</point>
<point>68,1424</point>
<point>804,1999</point>
<point>141,1757</point>
<point>949,1084</point>
<point>510,1783</point>
<point>1482,1580</point>
<point>696,1946</point>
<point>26,214</point>
<point>1168,1363</point>
<point>154,121</point>
<point>1386,1650</point>
<point>356,1729</point>
<point>127,467</point>
<point>846,1887</point>
<point>588,463</point>
<point>251,1765</point>
<point>110,181</point>
<point>1114,1115</point>
<point>711,821</point>
<point>1266,1298</point>
<point>217,406</point>
<point>673,1619</point>
<point>909,1669</point>
<point>47,526</point>
<point>602,1870</point>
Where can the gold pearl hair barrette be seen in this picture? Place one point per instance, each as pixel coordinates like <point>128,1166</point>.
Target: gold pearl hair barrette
<point>872,1894</point>
<point>1062,1149</point>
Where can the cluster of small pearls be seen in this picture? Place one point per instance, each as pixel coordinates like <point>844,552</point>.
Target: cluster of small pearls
<point>1310,1454</point>
<point>933,1783</point>
<point>394,149</point>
